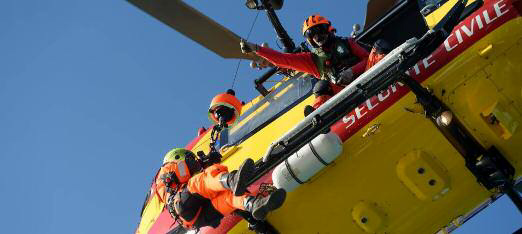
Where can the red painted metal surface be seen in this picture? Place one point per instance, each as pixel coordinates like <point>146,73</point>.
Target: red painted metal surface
<point>480,23</point>
<point>163,223</point>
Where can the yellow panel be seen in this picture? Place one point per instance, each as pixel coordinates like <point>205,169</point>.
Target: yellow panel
<point>433,18</point>
<point>494,88</point>
<point>150,214</point>
<point>369,217</point>
<point>203,144</point>
<point>367,170</point>
<point>423,175</point>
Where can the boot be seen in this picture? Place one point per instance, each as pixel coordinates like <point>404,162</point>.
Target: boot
<point>236,181</point>
<point>308,110</point>
<point>260,206</point>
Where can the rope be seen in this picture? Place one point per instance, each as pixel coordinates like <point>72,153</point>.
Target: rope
<point>239,62</point>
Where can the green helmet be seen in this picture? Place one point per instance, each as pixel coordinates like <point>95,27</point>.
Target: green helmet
<point>178,154</point>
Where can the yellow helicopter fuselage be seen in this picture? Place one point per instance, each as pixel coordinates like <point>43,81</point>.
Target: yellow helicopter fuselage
<point>376,185</point>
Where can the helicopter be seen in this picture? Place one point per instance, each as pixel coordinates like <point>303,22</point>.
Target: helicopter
<point>453,74</point>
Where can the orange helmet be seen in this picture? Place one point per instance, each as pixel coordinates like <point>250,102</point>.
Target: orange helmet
<point>314,20</point>
<point>228,102</point>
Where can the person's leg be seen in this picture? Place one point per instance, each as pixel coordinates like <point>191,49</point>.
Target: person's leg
<point>320,100</point>
<point>207,183</point>
<point>236,181</point>
<point>259,206</point>
<point>216,178</point>
<point>323,90</point>
<point>226,202</point>
<point>193,209</point>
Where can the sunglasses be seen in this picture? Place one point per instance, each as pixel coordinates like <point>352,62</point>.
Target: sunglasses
<point>318,29</point>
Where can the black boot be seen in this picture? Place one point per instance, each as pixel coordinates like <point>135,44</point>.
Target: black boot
<point>236,181</point>
<point>308,110</point>
<point>260,206</point>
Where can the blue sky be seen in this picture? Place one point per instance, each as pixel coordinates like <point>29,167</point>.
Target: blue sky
<point>93,93</point>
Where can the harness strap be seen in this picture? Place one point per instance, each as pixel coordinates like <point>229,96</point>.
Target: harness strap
<point>179,209</point>
<point>338,58</point>
<point>172,179</point>
<point>172,209</point>
<point>189,224</point>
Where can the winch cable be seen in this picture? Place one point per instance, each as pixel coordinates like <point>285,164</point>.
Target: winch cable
<point>239,62</point>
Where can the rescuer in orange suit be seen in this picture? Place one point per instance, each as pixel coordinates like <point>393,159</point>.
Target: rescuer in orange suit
<point>197,196</point>
<point>337,61</point>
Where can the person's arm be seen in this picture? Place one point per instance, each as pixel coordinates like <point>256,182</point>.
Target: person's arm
<point>362,54</point>
<point>302,62</point>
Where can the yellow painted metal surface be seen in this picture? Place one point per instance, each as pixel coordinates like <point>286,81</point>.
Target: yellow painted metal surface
<point>434,17</point>
<point>369,217</point>
<point>484,85</point>
<point>255,146</point>
<point>150,214</point>
<point>375,185</point>
<point>423,175</point>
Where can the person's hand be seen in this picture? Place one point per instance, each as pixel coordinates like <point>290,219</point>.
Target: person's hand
<point>345,77</point>
<point>214,157</point>
<point>247,47</point>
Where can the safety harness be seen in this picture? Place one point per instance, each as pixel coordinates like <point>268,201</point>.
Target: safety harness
<point>175,179</point>
<point>185,207</point>
<point>339,57</point>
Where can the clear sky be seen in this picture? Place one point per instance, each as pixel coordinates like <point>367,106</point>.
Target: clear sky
<point>93,93</point>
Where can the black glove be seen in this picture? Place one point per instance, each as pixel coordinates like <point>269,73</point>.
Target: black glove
<point>214,157</point>
<point>208,160</point>
<point>345,77</point>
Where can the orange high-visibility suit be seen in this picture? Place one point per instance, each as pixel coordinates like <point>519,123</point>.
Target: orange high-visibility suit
<point>207,184</point>
<point>202,197</point>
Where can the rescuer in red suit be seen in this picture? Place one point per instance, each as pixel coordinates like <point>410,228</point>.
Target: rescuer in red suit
<point>336,61</point>
<point>197,196</point>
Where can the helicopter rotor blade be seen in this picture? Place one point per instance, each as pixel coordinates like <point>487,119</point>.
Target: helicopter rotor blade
<point>194,25</point>
<point>375,9</point>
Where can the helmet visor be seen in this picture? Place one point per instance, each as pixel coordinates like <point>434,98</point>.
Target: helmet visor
<point>318,29</point>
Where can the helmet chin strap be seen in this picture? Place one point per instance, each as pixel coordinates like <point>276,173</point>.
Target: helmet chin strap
<point>319,37</point>
<point>320,43</point>
<point>326,41</point>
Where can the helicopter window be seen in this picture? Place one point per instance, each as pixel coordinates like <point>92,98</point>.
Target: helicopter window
<point>250,116</point>
<point>273,105</point>
<point>428,6</point>
<point>280,93</point>
<point>437,3</point>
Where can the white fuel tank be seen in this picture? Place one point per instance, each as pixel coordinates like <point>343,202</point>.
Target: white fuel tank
<point>307,161</point>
